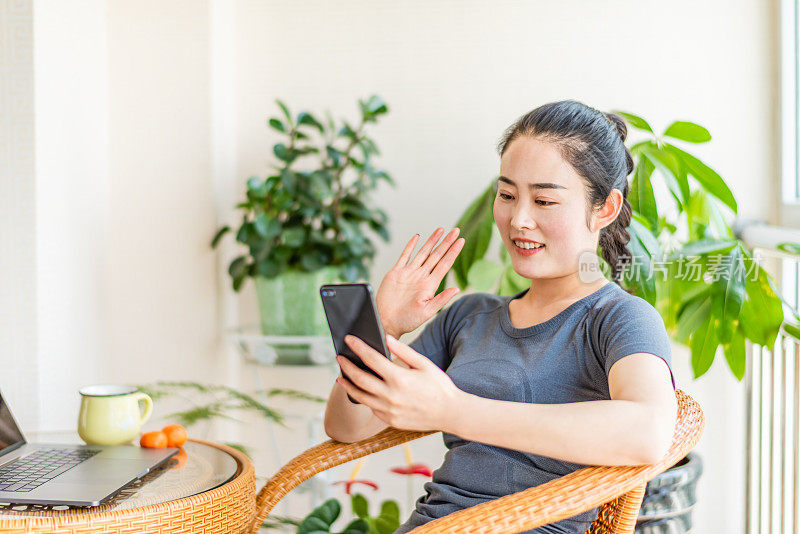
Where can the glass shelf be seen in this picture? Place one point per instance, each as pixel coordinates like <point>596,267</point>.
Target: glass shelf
<point>282,350</point>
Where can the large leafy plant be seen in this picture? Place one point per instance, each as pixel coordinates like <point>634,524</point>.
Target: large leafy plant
<point>687,262</point>
<point>313,210</point>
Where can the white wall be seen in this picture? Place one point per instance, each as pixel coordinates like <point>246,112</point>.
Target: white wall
<point>151,115</point>
<point>18,293</point>
<point>161,269</point>
<point>125,206</point>
<point>73,208</point>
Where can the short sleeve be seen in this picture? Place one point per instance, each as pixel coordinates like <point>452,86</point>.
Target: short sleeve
<point>633,326</point>
<point>435,341</point>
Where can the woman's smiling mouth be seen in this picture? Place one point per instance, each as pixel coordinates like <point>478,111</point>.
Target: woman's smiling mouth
<point>527,248</point>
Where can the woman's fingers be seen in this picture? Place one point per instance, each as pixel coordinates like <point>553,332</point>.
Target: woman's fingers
<point>359,377</point>
<point>439,251</point>
<point>402,261</point>
<point>422,255</point>
<point>447,260</point>
<point>358,394</point>
<point>439,301</point>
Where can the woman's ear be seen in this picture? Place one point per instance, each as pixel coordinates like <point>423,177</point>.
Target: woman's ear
<point>608,212</point>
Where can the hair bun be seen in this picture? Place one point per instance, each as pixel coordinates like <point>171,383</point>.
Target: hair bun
<point>619,122</point>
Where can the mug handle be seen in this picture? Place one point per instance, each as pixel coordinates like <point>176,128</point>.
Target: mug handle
<point>144,415</point>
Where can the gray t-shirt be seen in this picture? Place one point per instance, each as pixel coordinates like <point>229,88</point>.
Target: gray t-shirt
<point>564,359</point>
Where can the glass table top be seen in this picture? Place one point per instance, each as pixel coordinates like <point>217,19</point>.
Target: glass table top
<point>205,468</point>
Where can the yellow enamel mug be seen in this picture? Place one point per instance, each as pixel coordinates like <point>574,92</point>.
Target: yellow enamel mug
<point>112,414</point>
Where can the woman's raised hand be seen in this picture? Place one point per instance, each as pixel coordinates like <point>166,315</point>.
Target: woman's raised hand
<point>406,297</point>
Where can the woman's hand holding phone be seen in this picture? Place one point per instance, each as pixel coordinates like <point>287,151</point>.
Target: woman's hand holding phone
<point>419,396</point>
<point>406,297</point>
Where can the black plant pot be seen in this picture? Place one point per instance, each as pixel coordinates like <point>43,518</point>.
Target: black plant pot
<point>669,499</point>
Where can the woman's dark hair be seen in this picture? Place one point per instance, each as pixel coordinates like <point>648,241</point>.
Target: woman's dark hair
<point>593,143</point>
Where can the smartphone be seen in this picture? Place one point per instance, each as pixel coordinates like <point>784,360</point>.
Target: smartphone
<point>351,309</point>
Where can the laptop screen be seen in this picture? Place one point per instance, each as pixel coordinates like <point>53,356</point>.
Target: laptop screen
<point>10,435</point>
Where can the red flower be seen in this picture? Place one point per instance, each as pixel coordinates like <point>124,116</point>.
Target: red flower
<point>352,480</point>
<point>348,483</point>
<point>413,469</point>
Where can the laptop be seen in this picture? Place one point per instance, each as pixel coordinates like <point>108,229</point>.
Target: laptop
<point>72,475</point>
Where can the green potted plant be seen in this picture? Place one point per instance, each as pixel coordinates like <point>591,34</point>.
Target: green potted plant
<point>322,518</point>
<point>687,263</point>
<point>307,222</point>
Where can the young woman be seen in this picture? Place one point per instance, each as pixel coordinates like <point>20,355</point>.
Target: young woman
<point>573,371</point>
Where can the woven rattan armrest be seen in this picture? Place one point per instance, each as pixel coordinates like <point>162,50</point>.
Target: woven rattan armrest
<point>563,497</point>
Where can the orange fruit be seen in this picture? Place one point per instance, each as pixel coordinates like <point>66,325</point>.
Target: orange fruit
<point>153,440</point>
<point>176,435</point>
<point>181,458</point>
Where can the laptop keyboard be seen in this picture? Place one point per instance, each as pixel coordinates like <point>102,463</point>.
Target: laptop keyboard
<point>31,471</point>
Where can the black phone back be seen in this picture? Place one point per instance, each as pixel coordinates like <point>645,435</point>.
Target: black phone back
<point>351,309</point>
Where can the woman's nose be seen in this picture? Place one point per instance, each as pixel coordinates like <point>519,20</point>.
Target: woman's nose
<point>522,219</point>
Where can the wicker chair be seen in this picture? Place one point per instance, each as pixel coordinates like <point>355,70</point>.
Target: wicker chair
<point>617,490</point>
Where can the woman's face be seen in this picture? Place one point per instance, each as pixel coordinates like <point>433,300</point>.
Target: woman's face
<point>541,198</point>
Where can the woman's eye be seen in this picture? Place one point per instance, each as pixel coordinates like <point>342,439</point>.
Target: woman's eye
<point>504,196</point>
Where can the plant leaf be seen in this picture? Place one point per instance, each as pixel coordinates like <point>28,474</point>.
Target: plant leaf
<point>294,237</point>
<point>238,267</point>
<point>281,152</point>
<point>735,354</point>
<point>276,124</point>
<point>641,195</point>
<point>789,247</point>
<point>732,280</point>
<point>638,274</point>
<point>484,274</point>
<point>390,510</point>
<point>512,283</point>
<point>321,518</point>
<point>267,227</point>
<point>762,311</point>
<point>793,330</point>
<point>375,105</point>
<point>706,176</point>
<point>309,120</point>
<point>285,110</point>
<point>705,246</point>
<point>476,226</point>
<point>360,505</point>
<point>357,526</point>
<point>670,169</point>
<point>634,120</point>
<point>692,316</point>
<point>704,345</point>
<point>688,131</point>
<point>221,232</point>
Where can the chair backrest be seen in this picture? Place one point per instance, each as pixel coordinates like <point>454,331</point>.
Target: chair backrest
<point>618,516</point>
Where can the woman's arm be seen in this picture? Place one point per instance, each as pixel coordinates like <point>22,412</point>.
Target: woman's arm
<point>634,427</point>
<point>348,422</point>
